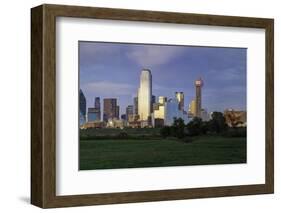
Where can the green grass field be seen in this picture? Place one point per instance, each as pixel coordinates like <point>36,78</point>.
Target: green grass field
<point>129,153</point>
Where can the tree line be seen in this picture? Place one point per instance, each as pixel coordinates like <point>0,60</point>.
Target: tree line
<point>215,126</point>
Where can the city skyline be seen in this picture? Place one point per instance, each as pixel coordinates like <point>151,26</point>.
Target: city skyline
<point>174,68</point>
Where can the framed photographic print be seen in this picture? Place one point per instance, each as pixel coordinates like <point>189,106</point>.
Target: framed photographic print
<point>137,106</point>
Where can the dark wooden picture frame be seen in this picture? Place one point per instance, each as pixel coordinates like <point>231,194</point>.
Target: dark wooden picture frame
<point>43,105</point>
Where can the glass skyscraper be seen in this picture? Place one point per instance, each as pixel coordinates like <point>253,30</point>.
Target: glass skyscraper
<point>82,107</point>
<point>144,95</point>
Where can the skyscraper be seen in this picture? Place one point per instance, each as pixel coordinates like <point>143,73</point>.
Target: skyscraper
<point>110,109</point>
<point>192,107</point>
<point>130,113</point>
<point>97,108</point>
<point>198,97</point>
<point>97,102</point>
<point>136,111</point>
<point>117,112</point>
<point>180,98</point>
<point>153,101</point>
<point>82,107</point>
<point>144,95</point>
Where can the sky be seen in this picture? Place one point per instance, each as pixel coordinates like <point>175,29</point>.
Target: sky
<point>112,70</point>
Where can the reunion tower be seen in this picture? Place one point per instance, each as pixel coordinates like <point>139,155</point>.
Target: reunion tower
<point>198,99</point>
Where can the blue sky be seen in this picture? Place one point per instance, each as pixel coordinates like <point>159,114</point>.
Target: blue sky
<point>112,70</point>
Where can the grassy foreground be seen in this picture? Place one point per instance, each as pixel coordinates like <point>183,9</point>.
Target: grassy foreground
<point>130,153</point>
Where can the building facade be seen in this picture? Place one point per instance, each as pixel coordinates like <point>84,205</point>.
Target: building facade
<point>172,111</point>
<point>82,106</point>
<point>97,102</point>
<point>98,108</point>
<point>192,107</point>
<point>180,98</point>
<point>93,114</point>
<point>153,101</point>
<point>145,95</point>
<point>198,97</point>
<point>235,118</point>
<point>205,115</point>
<point>162,99</point>
<point>130,113</point>
<point>136,111</point>
<point>110,109</point>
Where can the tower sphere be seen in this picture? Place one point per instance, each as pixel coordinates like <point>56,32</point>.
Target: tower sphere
<point>199,82</point>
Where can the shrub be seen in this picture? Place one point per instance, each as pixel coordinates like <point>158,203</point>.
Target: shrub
<point>217,124</point>
<point>194,127</point>
<point>178,128</point>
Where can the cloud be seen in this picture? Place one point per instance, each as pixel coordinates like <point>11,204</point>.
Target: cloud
<point>228,74</point>
<point>109,89</point>
<point>94,53</point>
<point>153,55</point>
<point>96,48</point>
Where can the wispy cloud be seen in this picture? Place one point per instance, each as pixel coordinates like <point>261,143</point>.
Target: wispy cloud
<point>153,55</point>
<point>109,89</point>
<point>229,74</point>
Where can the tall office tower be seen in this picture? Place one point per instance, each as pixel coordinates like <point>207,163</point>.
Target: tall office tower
<point>82,103</point>
<point>180,98</point>
<point>144,95</point>
<point>97,102</point>
<point>130,113</point>
<point>198,97</point>
<point>97,108</point>
<point>192,107</point>
<point>153,101</point>
<point>110,109</point>
<point>136,112</point>
<point>117,112</point>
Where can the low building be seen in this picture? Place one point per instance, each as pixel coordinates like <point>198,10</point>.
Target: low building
<point>158,122</point>
<point>93,114</point>
<point>93,124</point>
<point>115,123</point>
<point>235,118</point>
<point>134,124</point>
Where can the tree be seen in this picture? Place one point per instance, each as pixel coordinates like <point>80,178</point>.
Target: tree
<point>217,124</point>
<point>178,128</point>
<point>195,127</point>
